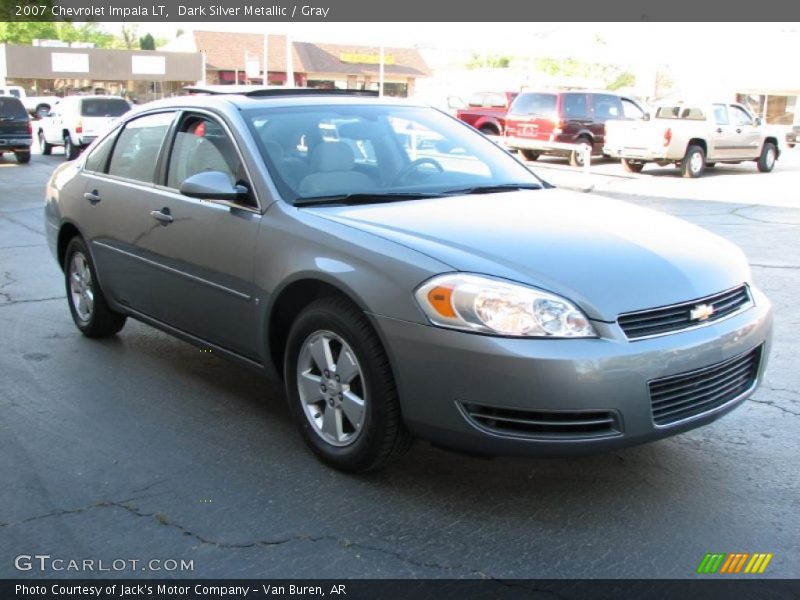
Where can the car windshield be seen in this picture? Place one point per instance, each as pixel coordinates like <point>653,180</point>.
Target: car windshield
<point>104,107</point>
<point>392,152</point>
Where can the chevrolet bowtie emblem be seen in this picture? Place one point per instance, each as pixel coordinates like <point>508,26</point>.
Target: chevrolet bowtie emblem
<point>701,312</point>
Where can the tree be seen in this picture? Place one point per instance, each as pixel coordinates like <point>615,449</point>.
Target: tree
<point>624,79</point>
<point>129,39</point>
<point>25,32</point>
<point>147,42</point>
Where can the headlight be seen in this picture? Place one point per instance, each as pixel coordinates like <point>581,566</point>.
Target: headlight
<point>487,305</point>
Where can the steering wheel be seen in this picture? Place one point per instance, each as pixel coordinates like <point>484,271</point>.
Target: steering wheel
<point>425,160</point>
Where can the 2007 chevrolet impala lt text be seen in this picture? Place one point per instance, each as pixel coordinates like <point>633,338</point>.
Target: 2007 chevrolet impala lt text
<point>404,276</point>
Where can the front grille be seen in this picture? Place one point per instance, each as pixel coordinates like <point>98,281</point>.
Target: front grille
<point>667,319</point>
<point>538,423</point>
<point>696,392</point>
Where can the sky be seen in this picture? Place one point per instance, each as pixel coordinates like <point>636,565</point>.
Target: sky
<point>722,51</point>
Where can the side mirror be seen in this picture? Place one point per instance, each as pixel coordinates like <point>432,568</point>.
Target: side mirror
<point>646,116</point>
<point>212,185</point>
<point>758,121</point>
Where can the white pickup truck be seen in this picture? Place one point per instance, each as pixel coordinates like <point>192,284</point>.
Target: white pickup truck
<point>692,137</point>
<point>35,105</point>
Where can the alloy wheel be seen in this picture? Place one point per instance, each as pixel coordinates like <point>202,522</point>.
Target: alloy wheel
<point>331,387</point>
<point>80,287</point>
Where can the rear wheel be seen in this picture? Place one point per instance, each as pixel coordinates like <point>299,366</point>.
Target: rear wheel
<point>486,130</point>
<point>530,154</point>
<point>43,145</point>
<point>694,162</point>
<point>632,166</point>
<point>71,151</point>
<point>340,388</point>
<point>23,156</point>
<point>87,304</point>
<point>766,161</point>
<point>576,157</point>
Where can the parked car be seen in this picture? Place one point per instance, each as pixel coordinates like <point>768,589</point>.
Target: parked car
<point>537,119</point>
<point>486,111</point>
<point>793,136</point>
<point>35,105</point>
<point>693,137</point>
<point>15,129</point>
<point>409,292</point>
<point>75,122</point>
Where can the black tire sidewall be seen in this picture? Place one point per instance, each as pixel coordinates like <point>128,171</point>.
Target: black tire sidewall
<point>357,456</point>
<point>762,160</point>
<point>687,168</point>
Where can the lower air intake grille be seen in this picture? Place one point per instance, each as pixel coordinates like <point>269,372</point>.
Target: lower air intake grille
<point>693,393</point>
<point>537,423</point>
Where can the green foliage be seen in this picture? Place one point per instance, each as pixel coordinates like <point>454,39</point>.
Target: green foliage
<point>147,42</point>
<point>25,32</point>
<point>492,61</point>
<point>624,79</point>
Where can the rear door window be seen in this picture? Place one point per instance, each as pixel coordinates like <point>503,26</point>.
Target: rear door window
<point>104,107</point>
<point>575,106</point>
<point>539,105</point>
<point>138,146</point>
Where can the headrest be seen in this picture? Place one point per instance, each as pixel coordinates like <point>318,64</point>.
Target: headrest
<point>332,156</point>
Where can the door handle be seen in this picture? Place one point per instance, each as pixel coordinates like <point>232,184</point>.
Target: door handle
<point>738,131</point>
<point>719,129</point>
<point>162,215</point>
<point>92,196</point>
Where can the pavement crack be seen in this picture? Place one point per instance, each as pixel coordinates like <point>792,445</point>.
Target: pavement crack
<point>773,404</point>
<point>20,224</point>
<point>9,301</point>
<point>7,280</point>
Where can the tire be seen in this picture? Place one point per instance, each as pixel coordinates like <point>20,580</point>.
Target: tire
<point>364,437</point>
<point>23,156</point>
<point>632,166</point>
<point>71,151</point>
<point>790,146</point>
<point>486,130</point>
<point>46,148</point>
<point>694,162</point>
<point>576,158</point>
<point>530,155</point>
<point>769,154</point>
<point>90,313</point>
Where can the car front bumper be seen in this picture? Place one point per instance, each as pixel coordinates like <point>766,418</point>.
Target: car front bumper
<point>439,372</point>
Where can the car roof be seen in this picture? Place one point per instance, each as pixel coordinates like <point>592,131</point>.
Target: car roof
<point>282,100</point>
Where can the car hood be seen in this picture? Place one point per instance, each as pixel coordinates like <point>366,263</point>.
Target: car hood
<point>606,255</point>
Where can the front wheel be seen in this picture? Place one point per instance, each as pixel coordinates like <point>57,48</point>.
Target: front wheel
<point>340,388</point>
<point>43,145</point>
<point>87,304</point>
<point>632,166</point>
<point>766,161</point>
<point>694,162</point>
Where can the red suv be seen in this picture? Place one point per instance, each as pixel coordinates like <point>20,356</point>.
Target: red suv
<point>486,111</point>
<point>537,119</point>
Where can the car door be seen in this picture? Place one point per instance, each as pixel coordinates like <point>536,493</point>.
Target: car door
<point>747,134</point>
<point>201,252</point>
<point>119,176</point>
<point>605,107</point>
<point>51,125</point>
<point>576,116</point>
<point>722,138</point>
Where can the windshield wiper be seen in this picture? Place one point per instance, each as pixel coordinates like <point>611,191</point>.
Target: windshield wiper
<point>364,198</point>
<point>496,188</point>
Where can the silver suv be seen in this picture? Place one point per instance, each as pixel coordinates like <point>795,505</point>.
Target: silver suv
<point>404,277</point>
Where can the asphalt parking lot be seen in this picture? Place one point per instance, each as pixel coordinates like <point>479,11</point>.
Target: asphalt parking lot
<point>142,447</point>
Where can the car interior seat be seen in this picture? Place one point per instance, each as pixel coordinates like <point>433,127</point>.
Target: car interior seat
<point>332,171</point>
